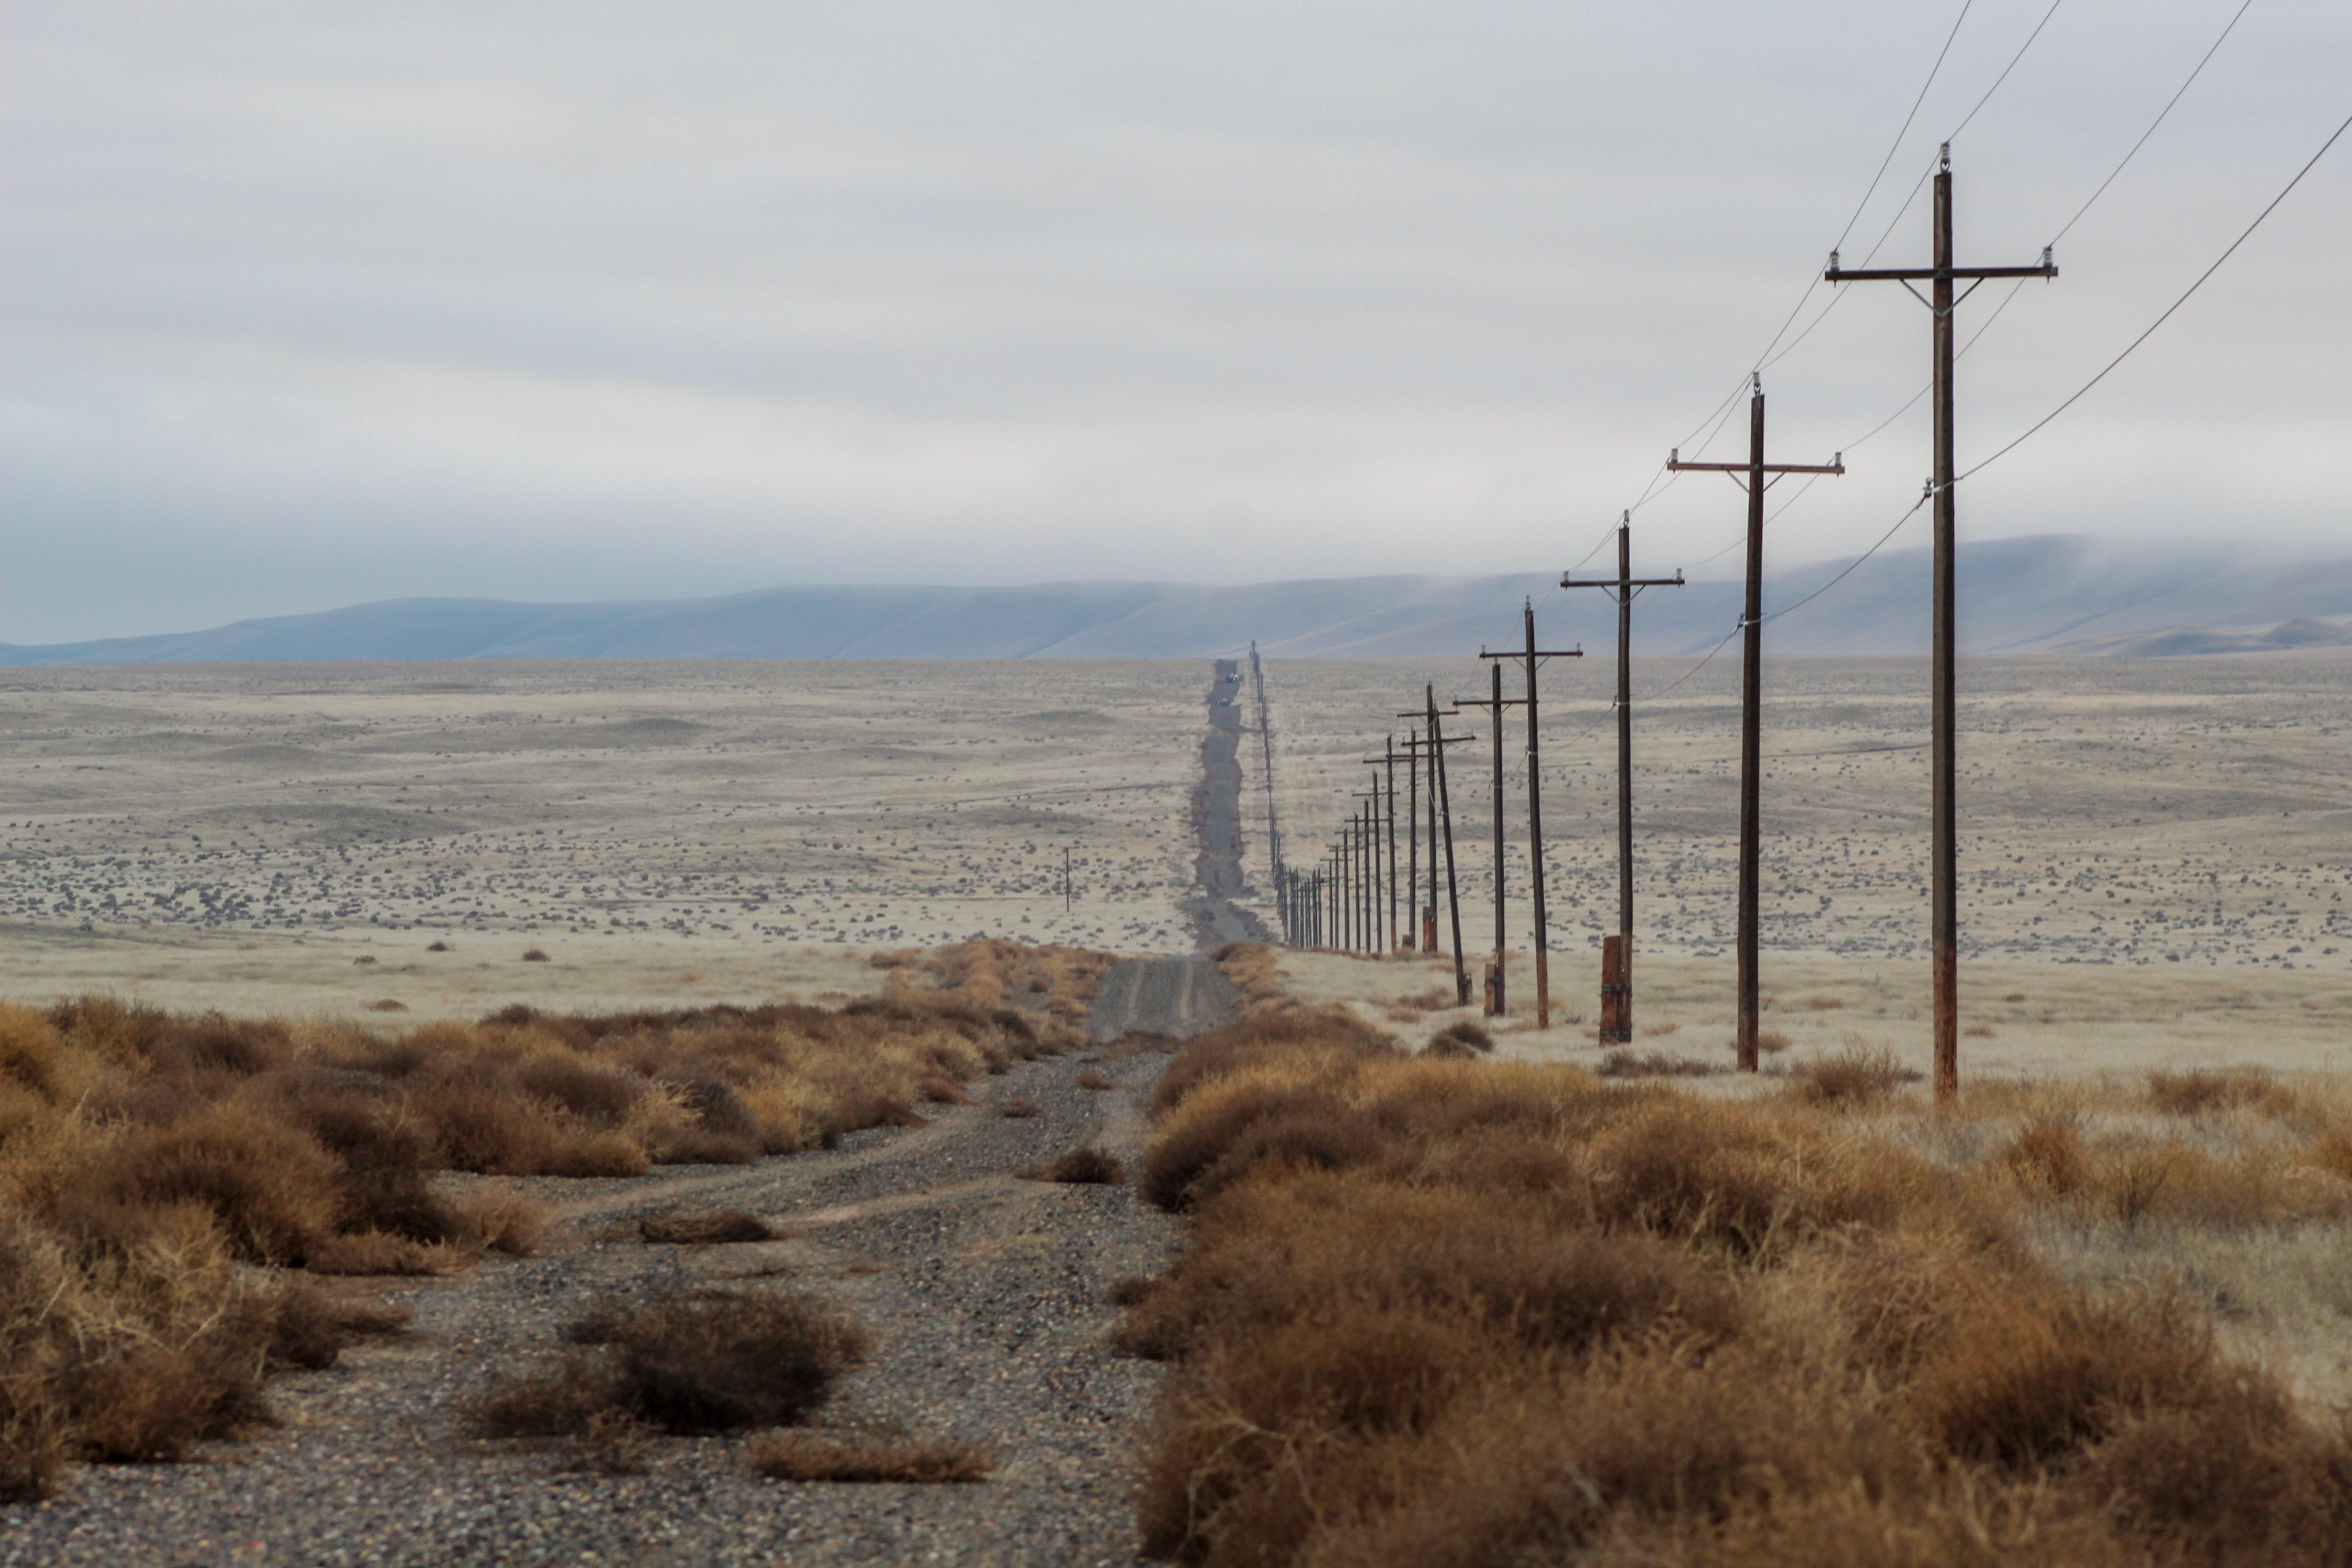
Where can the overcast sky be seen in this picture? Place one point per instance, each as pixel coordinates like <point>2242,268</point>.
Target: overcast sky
<point>308,304</point>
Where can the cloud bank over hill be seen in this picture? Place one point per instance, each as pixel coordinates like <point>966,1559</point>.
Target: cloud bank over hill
<point>2017,595</point>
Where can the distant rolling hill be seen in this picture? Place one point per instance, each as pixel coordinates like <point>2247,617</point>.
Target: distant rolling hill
<point>2043,594</point>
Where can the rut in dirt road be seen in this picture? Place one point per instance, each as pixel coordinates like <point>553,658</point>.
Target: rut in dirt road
<point>1217,823</point>
<point>1174,998</point>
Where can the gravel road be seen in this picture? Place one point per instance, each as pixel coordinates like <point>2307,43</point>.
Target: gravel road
<point>986,1294</point>
<point>1217,822</point>
<point>1173,997</point>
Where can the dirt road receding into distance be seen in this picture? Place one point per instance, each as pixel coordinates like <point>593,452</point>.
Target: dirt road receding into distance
<point>1217,822</point>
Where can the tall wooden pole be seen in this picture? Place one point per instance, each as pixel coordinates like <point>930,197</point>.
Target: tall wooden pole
<point>1944,719</point>
<point>1444,809</point>
<point>1389,747</point>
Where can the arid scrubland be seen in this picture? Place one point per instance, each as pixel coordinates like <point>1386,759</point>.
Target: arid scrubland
<point>695,806</point>
<point>173,1186</point>
<point>2158,811</point>
<point>1461,1311</point>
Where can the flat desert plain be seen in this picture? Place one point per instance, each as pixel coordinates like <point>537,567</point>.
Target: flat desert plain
<point>2155,852</point>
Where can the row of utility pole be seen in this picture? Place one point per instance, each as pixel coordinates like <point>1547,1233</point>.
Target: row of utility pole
<point>1340,903</point>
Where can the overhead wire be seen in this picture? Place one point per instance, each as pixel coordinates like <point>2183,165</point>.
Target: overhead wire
<point>2128,348</point>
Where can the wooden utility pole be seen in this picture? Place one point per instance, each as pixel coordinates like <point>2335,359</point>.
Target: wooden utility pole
<point>1626,587</point>
<point>1412,840</point>
<point>1389,756</point>
<point>1529,659</point>
<point>1944,830</point>
<point>1272,828</point>
<point>1496,703</point>
<point>1755,475</point>
<point>1442,807</point>
<point>1066,879</point>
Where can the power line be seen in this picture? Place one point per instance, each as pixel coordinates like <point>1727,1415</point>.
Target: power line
<point>2003,76</point>
<point>2176,305</point>
<point>2154,124</point>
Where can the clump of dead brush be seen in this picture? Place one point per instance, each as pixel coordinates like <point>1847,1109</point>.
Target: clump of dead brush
<point>1090,1078</point>
<point>1530,1316</point>
<point>705,1227</point>
<point>1655,1064</point>
<point>716,1364</point>
<point>1018,1107</point>
<point>1857,1076</point>
<point>1077,1167</point>
<point>868,1457</point>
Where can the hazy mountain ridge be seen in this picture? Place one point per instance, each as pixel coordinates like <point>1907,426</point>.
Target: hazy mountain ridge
<point>2046,593</point>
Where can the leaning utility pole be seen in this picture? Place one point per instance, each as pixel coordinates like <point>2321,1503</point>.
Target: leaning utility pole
<point>1627,585</point>
<point>1944,832</point>
<point>1752,477</point>
<point>1530,658</point>
<point>1497,703</point>
<point>1442,806</point>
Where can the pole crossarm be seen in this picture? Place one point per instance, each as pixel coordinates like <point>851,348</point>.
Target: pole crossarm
<point>1836,274</point>
<point>1673,581</point>
<point>1676,465</point>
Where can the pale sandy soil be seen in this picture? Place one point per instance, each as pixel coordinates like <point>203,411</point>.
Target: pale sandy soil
<point>2153,812</point>
<point>2046,1020</point>
<point>235,836</point>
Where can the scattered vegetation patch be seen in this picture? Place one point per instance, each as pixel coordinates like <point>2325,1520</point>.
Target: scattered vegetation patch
<point>1459,1313</point>
<point>719,1364</point>
<point>162,1176</point>
<point>1079,1167</point>
<point>1019,1108</point>
<point>535,955</point>
<point>1626,1063</point>
<point>1092,1079</point>
<point>1857,1076</point>
<point>852,1457</point>
<point>705,1227</point>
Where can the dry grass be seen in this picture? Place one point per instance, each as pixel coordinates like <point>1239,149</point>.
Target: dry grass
<point>1020,1108</point>
<point>852,1457</point>
<point>720,1364</point>
<point>146,1156</point>
<point>1092,1079</point>
<point>1454,1313</point>
<point>1079,1167</point>
<point>1249,965</point>
<point>705,1227</point>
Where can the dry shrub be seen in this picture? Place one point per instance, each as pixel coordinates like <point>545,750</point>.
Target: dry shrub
<point>1978,1031</point>
<point>2202,1093</point>
<point>990,971</point>
<point>500,1221</point>
<point>1019,1108</point>
<point>377,1252</point>
<point>145,1156</point>
<point>1824,1004</point>
<point>437,947</point>
<point>273,1189</point>
<point>535,955</point>
<point>1470,1036</point>
<point>2047,1154</point>
<point>1771,1042</point>
<point>1294,1041</point>
<point>1855,1077</point>
<point>684,1366</point>
<point>1090,1078</point>
<point>705,1227</point>
<point>1655,1064</point>
<point>1249,965</point>
<point>2026,1381</point>
<point>1078,1167</point>
<point>1535,1319</point>
<point>855,1457</point>
<point>387,1005</point>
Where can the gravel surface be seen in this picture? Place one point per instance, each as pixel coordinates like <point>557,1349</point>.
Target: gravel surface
<point>985,1293</point>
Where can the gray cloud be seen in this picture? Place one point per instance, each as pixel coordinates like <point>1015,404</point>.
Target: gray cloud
<point>312,305</point>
